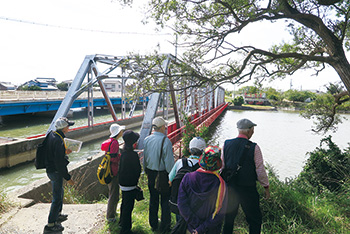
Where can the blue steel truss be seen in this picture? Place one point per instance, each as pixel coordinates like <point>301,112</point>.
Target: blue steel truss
<point>15,108</point>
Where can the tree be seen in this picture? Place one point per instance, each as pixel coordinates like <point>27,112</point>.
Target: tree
<point>320,31</point>
<point>299,96</point>
<point>324,109</point>
<point>272,94</point>
<point>62,86</point>
<point>249,90</point>
<point>31,88</point>
<point>238,101</point>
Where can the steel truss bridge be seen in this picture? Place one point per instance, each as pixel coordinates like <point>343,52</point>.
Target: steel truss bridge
<point>201,103</point>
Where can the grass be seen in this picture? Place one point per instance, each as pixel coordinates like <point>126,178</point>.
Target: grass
<point>5,205</point>
<point>289,210</point>
<point>140,223</point>
<point>259,107</point>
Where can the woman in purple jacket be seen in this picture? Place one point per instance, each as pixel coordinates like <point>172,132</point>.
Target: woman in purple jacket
<point>202,195</point>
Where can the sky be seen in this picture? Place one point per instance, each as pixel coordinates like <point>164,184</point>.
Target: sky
<point>37,40</point>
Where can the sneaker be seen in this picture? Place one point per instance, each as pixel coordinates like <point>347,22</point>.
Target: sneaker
<point>56,228</point>
<point>62,217</point>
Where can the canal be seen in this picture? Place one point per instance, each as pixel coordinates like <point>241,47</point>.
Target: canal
<point>284,138</point>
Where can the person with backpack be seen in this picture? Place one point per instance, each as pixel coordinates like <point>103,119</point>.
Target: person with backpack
<point>56,169</point>
<point>202,195</point>
<point>181,167</point>
<point>112,146</point>
<point>129,174</point>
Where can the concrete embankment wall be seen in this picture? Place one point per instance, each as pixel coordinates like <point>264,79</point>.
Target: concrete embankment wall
<point>23,150</point>
<point>84,175</point>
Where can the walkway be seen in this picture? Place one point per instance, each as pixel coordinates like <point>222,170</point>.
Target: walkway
<point>87,218</point>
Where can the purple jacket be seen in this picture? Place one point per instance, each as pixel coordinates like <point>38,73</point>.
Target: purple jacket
<point>201,188</point>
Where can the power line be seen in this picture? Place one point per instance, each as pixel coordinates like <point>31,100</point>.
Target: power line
<point>79,29</point>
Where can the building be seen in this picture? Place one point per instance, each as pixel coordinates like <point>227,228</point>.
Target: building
<point>46,84</point>
<point>7,86</point>
<point>112,85</point>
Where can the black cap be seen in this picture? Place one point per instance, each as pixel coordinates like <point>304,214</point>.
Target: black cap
<point>130,137</point>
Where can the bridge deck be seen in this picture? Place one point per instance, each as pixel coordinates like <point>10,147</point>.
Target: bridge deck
<point>23,102</point>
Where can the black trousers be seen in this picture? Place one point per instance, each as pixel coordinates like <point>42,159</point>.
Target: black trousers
<point>128,202</point>
<point>248,198</point>
<point>154,204</point>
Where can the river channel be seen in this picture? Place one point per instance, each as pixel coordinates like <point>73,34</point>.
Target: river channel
<point>284,137</point>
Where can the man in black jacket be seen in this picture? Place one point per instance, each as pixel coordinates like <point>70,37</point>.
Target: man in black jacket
<point>56,169</point>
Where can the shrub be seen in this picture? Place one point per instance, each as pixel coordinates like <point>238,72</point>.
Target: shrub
<point>238,101</point>
<point>327,168</point>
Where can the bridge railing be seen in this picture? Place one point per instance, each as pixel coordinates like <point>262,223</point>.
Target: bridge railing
<point>46,95</point>
<point>206,119</point>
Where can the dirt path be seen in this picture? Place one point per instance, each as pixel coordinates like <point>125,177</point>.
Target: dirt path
<point>87,218</point>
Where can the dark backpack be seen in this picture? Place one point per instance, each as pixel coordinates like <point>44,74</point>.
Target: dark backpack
<point>176,183</point>
<point>41,152</point>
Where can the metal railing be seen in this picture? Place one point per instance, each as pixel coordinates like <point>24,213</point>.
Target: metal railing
<point>45,95</point>
<point>206,119</point>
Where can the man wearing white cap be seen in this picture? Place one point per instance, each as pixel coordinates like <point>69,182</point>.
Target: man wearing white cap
<point>155,146</point>
<point>244,156</point>
<point>112,146</point>
<point>56,169</point>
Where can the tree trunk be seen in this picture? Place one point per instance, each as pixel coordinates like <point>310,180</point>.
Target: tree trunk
<point>342,67</point>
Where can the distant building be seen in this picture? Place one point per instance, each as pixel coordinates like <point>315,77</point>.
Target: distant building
<point>112,85</point>
<point>7,86</point>
<point>46,84</point>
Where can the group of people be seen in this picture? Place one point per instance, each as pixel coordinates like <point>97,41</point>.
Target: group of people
<point>208,198</point>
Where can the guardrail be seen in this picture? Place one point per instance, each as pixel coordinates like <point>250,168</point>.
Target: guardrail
<point>206,119</point>
<point>6,96</point>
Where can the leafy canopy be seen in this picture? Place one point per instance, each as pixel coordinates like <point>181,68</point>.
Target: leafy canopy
<point>319,36</point>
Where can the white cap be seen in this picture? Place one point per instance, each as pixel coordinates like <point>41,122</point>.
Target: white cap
<point>63,122</point>
<point>198,143</point>
<point>115,129</point>
<point>159,122</point>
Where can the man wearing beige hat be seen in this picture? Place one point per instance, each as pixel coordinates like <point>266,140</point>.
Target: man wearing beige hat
<point>243,165</point>
<point>158,156</point>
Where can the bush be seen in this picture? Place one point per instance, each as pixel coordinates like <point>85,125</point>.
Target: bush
<point>327,168</point>
<point>238,101</point>
<point>190,132</point>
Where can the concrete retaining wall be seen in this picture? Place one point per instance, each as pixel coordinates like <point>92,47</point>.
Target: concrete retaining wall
<point>84,175</point>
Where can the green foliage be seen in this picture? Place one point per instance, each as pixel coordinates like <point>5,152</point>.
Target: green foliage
<point>4,203</point>
<point>273,94</point>
<point>292,209</point>
<point>249,90</point>
<point>238,101</point>
<point>31,88</point>
<point>327,168</point>
<point>323,113</point>
<point>299,96</point>
<point>190,132</point>
<point>209,33</point>
<point>62,86</point>
<point>74,196</point>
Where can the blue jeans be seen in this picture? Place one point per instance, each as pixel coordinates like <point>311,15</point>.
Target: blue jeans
<point>57,196</point>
